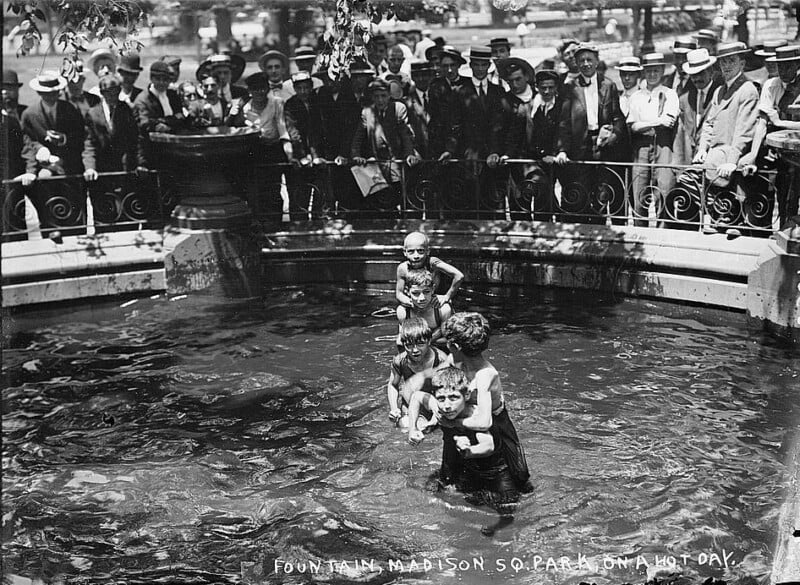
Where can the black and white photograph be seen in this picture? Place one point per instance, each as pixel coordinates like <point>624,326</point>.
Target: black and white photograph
<point>411,292</point>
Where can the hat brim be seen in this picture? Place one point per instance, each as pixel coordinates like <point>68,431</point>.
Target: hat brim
<point>586,50</point>
<point>629,68</point>
<point>503,64</point>
<point>237,68</point>
<point>646,65</point>
<point>681,50</point>
<point>732,53</point>
<point>262,61</point>
<point>774,59</point>
<point>129,70</point>
<point>431,50</point>
<point>37,87</point>
<point>692,70</point>
<point>103,55</point>
<point>453,55</point>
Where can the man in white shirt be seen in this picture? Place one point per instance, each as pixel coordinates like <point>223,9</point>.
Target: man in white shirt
<point>276,65</point>
<point>630,73</point>
<point>654,110</point>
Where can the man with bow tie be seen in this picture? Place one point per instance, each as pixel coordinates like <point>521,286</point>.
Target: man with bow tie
<point>591,128</point>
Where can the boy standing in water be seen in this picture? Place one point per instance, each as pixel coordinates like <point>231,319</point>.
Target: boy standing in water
<point>416,249</point>
<point>419,355</point>
<point>473,461</point>
<point>431,308</point>
<point>467,336</point>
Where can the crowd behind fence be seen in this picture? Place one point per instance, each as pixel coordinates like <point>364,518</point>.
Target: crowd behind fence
<point>432,190</point>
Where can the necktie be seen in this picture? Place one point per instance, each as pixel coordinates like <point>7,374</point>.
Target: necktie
<point>583,82</point>
<point>275,87</point>
<point>111,119</point>
<point>701,103</point>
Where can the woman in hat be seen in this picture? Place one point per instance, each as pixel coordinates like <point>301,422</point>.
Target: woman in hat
<point>54,131</point>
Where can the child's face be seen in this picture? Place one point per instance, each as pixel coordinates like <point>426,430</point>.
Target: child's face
<point>421,296</point>
<point>451,403</point>
<point>415,254</point>
<point>417,350</point>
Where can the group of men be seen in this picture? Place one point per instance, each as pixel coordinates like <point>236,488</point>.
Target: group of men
<point>404,113</point>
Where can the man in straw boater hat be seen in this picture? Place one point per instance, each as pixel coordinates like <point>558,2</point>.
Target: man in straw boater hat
<point>227,70</point>
<point>535,136</point>
<point>768,50</point>
<point>275,66</point>
<point>654,111</point>
<point>304,59</point>
<point>101,61</point>
<point>53,132</point>
<point>777,95</point>
<point>695,104</point>
<point>678,80</point>
<point>479,119</point>
<point>592,129</point>
<point>728,129</point>
<point>630,75</point>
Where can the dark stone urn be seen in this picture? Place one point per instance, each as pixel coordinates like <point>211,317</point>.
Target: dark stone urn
<point>207,171</point>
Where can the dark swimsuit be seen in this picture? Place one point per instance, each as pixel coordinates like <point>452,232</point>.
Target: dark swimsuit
<point>400,365</point>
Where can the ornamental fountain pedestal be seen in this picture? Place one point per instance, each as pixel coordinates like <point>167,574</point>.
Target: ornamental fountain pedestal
<point>774,287</point>
<point>209,239</point>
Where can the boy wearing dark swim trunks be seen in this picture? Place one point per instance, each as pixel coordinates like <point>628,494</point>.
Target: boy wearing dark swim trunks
<point>419,355</point>
<point>473,461</point>
<point>467,336</point>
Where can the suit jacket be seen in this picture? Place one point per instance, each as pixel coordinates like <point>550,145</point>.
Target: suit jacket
<point>444,124</point>
<point>35,125</point>
<point>732,119</point>
<point>480,123</point>
<point>399,139</point>
<point>418,118</point>
<point>541,131</point>
<point>135,91</point>
<point>85,101</point>
<point>304,127</point>
<point>111,149</point>
<point>148,112</point>
<point>573,125</point>
<point>340,119</point>
<point>688,127</point>
<point>669,81</point>
<point>11,143</point>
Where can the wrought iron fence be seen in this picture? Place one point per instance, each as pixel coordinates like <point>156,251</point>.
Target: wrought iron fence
<point>610,193</point>
<point>117,201</point>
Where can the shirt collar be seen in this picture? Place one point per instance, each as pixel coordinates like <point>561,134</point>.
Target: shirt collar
<point>526,95</point>
<point>732,81</point>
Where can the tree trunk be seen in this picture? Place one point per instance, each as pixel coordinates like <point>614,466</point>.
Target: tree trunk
<point>599,20</point>
<point>648,24</point>
<point>188,24</point>
<point>222,16</point>
<point>498,16</point>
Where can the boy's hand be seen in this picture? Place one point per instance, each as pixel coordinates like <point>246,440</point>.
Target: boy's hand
<point>462,442</point>
<point>415,437</point>
<point>395,414</point>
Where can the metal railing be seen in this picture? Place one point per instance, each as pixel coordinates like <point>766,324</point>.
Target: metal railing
<point>520,189</point>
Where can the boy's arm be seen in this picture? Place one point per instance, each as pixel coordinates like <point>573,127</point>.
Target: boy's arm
<point>484,446</point>
<point>400,288</point>
<point>393,394</point>
<point>481,419</point>
<point>415,436</point>
<point>453,272</point>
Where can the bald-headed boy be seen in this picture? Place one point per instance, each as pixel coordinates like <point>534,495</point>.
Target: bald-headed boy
<point>416,249</point>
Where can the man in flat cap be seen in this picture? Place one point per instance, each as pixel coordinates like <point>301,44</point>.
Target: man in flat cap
<point>158,109</point>
<point>384,134</point>
<point>537,140</point>
<point>591,129</point>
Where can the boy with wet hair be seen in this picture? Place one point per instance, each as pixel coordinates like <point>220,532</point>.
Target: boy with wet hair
<point>467,336</point>
<point>431,308</point>
<point>416,249</point>
<point>418,356</point>
<point>473,461</point>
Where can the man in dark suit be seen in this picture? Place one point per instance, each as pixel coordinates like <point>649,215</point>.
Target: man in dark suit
<point>384,134</point>
<point>590,129</point>
<point>129,69</point>
<point>539,141</point>
<point>111,133</point>
<point>54,132</point>
<point>11,87</point>
<point>227,70</point>
<point>158,109</point>
<point>480,120</point>
<point>678,79</point>
<point>304,129</point>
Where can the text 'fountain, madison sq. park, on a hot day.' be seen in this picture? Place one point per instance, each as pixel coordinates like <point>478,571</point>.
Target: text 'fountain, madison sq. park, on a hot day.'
<point>424,292</point>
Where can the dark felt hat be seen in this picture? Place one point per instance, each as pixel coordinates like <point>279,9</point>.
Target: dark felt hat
<point>500,42</point>
<point>421,67</point>
<point>10,77</point>
<point>257,80</point>
<point>448,51</point>
<point>511,64</point>
<point>546,74</point>
<point>130,63</point>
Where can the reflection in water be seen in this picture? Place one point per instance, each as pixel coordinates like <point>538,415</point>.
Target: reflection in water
<point>210,440</point>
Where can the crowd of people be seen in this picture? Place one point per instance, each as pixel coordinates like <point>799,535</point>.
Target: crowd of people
<point>560,135</point>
